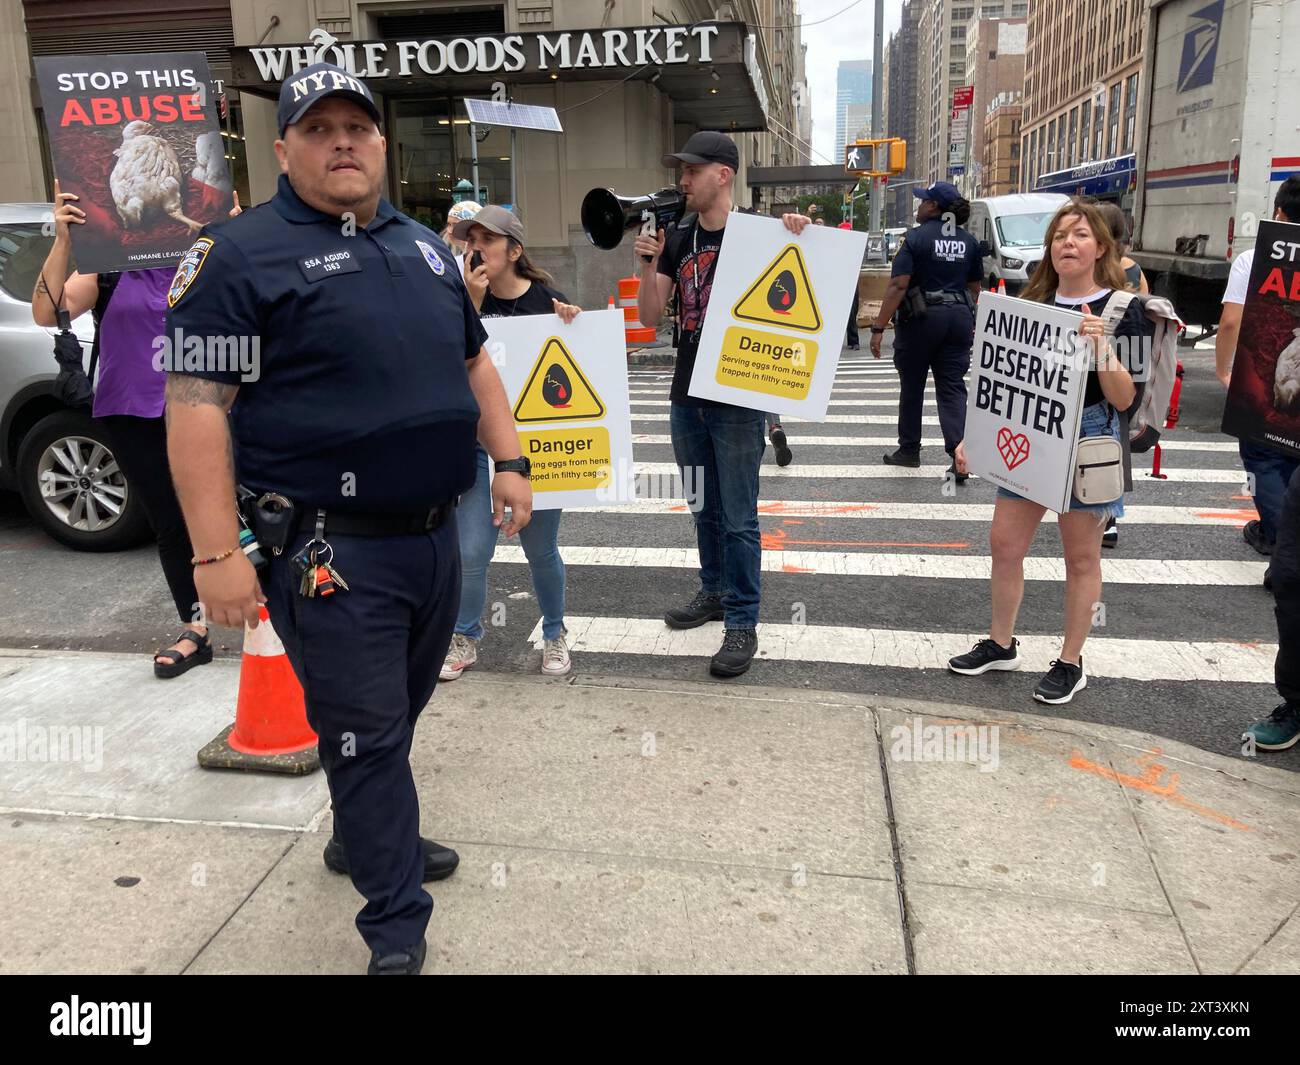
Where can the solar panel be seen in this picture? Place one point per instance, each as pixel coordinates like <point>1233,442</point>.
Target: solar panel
<point>517,116</point>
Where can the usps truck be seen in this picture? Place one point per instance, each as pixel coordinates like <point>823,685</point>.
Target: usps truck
<point>1220,133</point>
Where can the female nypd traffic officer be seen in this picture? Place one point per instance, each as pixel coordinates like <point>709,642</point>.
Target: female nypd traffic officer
<point>935,283</point>
<point>369,394</point>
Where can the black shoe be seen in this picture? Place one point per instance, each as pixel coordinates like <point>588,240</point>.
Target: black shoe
<point>783,454</point>
<point>985,655</point>
<point>1253,535</point>
<point>960,478</point>
<point>854,347</point>
<point>406,962</point>
<point>1061,682</point>
<point>1268,579</point>
<point>439,861</point>
<point>699,611</point>
<point>1111,536</point>
<point>912,460</point>
<point>737,651</point>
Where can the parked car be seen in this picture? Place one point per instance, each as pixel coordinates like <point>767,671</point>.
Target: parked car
<point>1010,231</point>
<point>57,458</point>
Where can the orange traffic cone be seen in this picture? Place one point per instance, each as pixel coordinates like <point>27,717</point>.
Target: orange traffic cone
<point>1002,286</point>
<point>270,733</point>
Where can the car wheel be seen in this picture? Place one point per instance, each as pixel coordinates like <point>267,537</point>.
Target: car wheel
<point>73,487</point>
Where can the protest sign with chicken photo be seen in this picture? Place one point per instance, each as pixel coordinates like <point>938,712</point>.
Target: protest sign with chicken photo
<point>136,138</point>
<point>1264,396</point>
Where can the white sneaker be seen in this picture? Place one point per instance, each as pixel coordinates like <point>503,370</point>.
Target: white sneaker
<point>555,657</point>
<point>462,654</point>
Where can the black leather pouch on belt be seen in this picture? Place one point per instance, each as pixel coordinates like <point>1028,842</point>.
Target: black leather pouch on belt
<point>274,520</point>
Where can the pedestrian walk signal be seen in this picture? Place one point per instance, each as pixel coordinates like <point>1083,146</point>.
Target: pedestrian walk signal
<point>782,295</point>
<point>556,390</point>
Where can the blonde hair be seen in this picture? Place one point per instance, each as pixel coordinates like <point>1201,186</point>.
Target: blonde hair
<point>1107,271</point>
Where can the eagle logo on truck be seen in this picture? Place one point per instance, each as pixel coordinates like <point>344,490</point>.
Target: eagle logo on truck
<point>1200,47</point>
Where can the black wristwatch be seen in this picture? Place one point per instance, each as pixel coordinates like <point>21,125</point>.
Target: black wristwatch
<point>520,465</point>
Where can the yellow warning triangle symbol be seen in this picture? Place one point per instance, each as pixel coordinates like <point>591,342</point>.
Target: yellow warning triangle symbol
<point>556,390</point>
<point>782,295</point>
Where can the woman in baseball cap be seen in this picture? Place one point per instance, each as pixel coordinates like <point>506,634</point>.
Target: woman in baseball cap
<point>460,212</point>
<point>504,283</point>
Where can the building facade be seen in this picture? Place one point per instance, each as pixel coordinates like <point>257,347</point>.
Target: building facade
<point>1000,146</point>
<point>630,82</point>
<point>995,66</point>
<point>1079,128</point>
<point>901,111</point>
<point>852,100</point>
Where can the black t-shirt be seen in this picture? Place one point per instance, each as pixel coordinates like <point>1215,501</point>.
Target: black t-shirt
<point>690,258</point>
<point>536,299</point>
<point>939,261</point>
<point>1132,326</point>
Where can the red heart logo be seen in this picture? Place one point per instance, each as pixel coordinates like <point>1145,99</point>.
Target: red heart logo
<point>1014,449</point>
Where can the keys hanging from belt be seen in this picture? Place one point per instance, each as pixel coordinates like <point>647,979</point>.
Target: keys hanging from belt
<point>317,575</point>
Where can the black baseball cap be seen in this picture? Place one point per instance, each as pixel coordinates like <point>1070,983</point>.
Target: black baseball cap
<point>706,146</point>
<point>941,192</point>
<point>312,84</point>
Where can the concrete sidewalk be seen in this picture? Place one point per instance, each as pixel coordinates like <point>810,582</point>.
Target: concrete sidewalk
<point>611,826</point>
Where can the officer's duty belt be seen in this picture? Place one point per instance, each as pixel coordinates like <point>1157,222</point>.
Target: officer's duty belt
<point>937,298</point>
<point>351,523</point>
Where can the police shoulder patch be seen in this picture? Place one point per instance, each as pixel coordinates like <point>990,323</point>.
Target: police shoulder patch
<point>188,269</point>
<point>431,257</point>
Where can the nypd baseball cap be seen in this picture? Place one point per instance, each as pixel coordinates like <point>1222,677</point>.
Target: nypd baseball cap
<point>312,84</point>
<point>706,146</point>
<point>498,219</point>
<point>941,192</point>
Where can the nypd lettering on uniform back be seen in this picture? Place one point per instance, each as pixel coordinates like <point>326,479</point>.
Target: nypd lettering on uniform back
<point>316,267</point>
<point>953,251</point>
<point>305,86</point>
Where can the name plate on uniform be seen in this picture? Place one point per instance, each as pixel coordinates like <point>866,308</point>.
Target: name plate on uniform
<point>319,267</point>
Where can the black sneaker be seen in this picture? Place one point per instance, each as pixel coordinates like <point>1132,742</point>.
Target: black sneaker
<point>783,454</point>
<point>910,459</point>
<point>1061,682</point>
<point>699,611</point>
<point>960,478</point>
<point>406,962</point>
<point>737,651</point>
<point>985,655</point>
<point>1253,535</point>
<point>1111,536</point>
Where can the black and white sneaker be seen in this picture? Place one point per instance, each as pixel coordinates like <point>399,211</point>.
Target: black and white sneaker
<point>985,655</point>
<point>1110,537</point>
<point>1061,682</point>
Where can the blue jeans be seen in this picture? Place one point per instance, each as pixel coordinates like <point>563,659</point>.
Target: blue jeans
<point>719,450</point>
<point>1272,472</point>
<point>478,542</point>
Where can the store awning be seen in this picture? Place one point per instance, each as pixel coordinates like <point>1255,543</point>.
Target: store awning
<point>707,70</point>
<point>759,176</point>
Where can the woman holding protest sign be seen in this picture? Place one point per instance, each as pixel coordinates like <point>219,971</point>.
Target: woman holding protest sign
<point>1081,273</point>
<point>129,310</point>
<point>504,283</point>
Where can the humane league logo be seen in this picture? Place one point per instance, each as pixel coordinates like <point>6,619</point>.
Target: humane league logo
<point>1013,447</point>
<point>1200,46</point>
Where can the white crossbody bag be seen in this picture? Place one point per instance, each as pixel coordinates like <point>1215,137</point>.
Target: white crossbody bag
<point>1099,460</point>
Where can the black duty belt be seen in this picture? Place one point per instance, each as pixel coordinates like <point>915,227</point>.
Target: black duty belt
<point>939,298</point>
<point>353,523</point>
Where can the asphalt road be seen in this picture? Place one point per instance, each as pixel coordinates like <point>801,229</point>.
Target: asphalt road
<point>51,597</point>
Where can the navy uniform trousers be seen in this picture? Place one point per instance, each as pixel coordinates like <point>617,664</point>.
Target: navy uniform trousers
<point>1285,568</point>
<point>938,343</point>
<point>368,660</point>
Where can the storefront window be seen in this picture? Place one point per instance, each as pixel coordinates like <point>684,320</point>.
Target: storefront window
<point>493,159</point>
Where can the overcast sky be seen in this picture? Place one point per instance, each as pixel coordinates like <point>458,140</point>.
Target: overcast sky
<point>849,36</point>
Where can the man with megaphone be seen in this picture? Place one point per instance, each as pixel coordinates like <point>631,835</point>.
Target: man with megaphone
<point>721,444</point>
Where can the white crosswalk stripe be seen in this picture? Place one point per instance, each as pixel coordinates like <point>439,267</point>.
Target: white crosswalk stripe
<point>629,560</point>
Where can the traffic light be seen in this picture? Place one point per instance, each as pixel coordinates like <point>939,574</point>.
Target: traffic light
<point>897,156</point>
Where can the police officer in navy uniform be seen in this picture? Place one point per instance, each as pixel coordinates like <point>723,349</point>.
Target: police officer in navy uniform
<point>935,283</point>
<point>358,420</point>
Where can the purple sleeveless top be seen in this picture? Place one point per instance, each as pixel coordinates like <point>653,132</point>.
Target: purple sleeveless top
<point>136,315</point>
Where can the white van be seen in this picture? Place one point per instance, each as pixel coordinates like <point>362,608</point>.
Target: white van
<point>1010,230</point>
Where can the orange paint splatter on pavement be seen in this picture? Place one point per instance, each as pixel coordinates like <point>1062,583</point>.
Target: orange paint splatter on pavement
<point>1150,782</point>
<point>1235,517</point>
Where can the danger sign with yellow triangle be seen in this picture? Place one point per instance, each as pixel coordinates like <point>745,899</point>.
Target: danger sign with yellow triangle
<point>556,389</point>
<point>782,295</point>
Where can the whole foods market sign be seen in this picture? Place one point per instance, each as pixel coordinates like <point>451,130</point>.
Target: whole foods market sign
<point>511,53</point>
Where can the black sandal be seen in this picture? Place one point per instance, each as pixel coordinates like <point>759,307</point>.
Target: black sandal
<point>180,663</point>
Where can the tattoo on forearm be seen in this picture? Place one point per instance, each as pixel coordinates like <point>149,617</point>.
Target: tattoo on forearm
<point>196,391</point>
<point>40,287</point>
